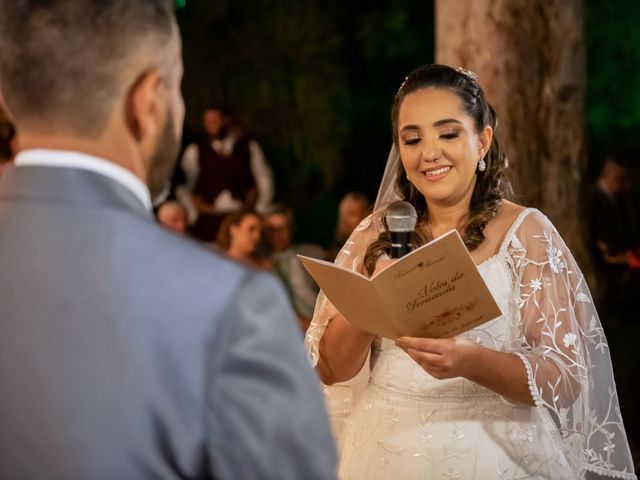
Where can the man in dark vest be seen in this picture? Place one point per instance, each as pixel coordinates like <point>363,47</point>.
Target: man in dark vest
<point>224,172</point>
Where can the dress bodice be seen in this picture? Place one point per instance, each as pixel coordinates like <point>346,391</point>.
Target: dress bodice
<point>393,420</point>
<point>394,369</point>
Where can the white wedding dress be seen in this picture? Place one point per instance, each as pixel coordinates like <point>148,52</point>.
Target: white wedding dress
<point>397,422</point>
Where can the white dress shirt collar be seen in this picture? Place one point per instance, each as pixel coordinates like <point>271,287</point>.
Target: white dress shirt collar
<point>71,159</point>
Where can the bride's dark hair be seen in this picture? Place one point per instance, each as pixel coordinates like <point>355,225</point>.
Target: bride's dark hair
<point>491,185</point>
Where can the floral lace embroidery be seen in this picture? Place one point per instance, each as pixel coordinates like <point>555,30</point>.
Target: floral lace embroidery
<point>551,324</point>
<point>563,346</point>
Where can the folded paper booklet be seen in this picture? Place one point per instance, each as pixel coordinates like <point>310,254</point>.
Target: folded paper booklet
<point>435,291</point>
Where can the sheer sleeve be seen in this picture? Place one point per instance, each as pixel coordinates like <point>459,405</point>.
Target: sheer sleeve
<point>340,398</point>
<point>558,335</point>
<point>350,256</point>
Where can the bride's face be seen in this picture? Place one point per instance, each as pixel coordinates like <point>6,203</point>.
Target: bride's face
<point>439,146</point>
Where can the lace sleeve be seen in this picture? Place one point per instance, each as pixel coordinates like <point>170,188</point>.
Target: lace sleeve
<point>351,256</point>
<point>559,338</point>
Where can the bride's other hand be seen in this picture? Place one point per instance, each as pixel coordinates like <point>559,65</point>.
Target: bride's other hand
<point>502,372</point>
<point>441,357</point>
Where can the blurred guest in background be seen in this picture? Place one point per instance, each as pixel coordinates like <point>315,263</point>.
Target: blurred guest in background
<point>239,236</point>
<point>8,144</point>
<point>278,238</point>
<point>225,172</point>
<point>613,222</point>
<point>353,208</point>
<point>173,216</point>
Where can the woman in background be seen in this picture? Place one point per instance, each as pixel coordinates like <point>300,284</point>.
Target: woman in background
<point>239,236</point>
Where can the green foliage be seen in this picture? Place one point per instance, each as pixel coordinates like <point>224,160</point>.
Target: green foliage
<point>613,77</point>
<point>387,40</point>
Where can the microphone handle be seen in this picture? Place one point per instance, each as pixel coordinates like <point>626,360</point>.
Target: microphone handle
<point>400,244</point>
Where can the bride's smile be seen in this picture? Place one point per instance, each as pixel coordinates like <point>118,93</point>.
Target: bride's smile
<point>440,146</point>
<point>436,173</point>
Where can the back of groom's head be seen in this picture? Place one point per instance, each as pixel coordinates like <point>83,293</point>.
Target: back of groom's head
<point>65,64</point>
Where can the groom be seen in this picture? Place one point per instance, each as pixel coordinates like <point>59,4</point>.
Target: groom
<point>125,351</point>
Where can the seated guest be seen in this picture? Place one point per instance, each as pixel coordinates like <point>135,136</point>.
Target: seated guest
<point>353,208</point>
<point>8,145</point>
<point>173,216</point>
<point>239,236</point>
<point>278,237</point>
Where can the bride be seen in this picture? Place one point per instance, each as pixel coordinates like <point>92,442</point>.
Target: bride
<point>527,395</point>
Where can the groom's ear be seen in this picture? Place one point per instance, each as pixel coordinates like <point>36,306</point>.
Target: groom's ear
<point>143,109</point>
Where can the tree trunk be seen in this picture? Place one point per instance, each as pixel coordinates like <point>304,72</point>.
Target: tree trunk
<point>529,57</point>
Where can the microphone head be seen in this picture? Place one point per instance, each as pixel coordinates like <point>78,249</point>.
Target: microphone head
<point>401,217</point>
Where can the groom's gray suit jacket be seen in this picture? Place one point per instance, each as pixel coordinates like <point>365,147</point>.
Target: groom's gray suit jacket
<point>127,352</point>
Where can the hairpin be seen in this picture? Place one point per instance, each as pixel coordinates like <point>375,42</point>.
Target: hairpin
<point>402,84</point>
<point>467,73</point>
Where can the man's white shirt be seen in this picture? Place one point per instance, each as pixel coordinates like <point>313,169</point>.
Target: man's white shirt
<point>71,159</point>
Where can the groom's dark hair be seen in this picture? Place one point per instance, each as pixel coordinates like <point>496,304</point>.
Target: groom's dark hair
<point>66,62</point>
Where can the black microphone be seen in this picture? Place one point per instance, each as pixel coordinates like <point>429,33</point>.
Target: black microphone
<point>401,218</point>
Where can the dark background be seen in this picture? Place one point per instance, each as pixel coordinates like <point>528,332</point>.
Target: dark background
<point>314,80</point>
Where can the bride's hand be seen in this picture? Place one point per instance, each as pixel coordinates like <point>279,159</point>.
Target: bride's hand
<point>441,357</point>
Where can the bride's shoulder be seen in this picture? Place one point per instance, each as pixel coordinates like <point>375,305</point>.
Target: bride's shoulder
<point>510,219</point>
<point>522,221</point>
<point>506,216</point>
<point>509,210</point>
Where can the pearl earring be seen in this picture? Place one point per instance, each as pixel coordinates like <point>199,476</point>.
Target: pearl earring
<point>482,165</point>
